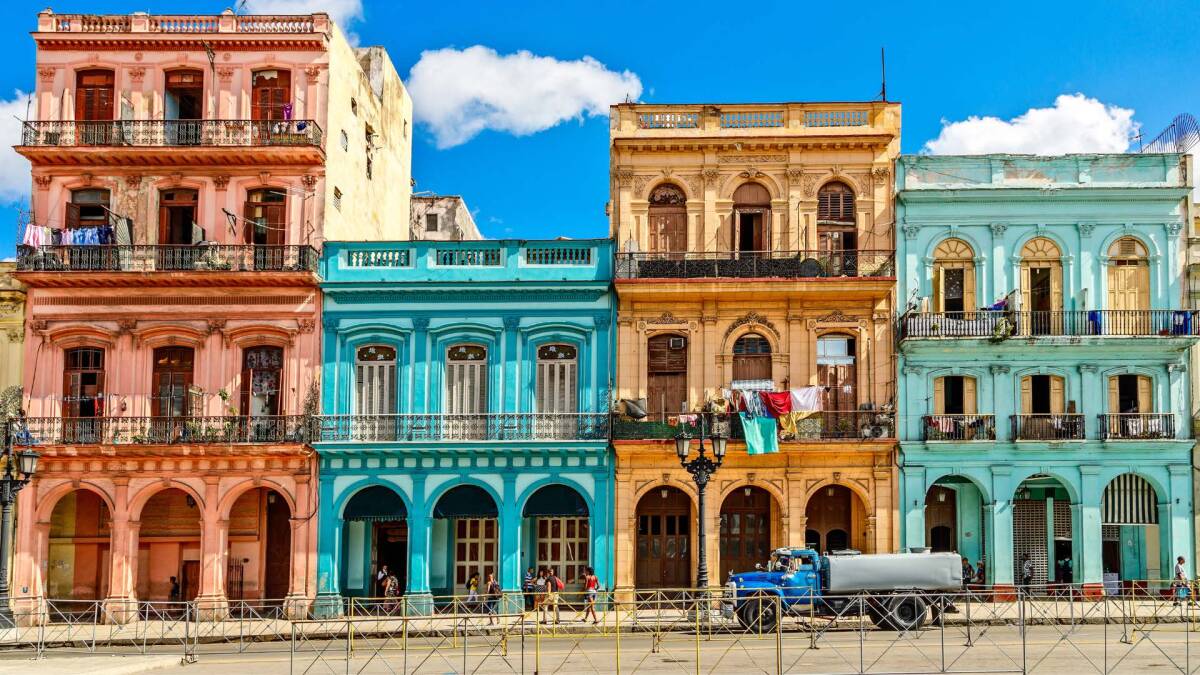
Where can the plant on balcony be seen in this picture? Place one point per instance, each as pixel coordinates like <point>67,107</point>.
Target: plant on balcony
<point>1002,329</point>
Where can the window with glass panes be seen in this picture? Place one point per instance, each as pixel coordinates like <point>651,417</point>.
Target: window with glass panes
<point>474,550</point>
<point>562,545</point>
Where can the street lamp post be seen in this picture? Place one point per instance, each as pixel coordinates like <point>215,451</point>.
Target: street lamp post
<point>702,468</point>
<point>16,470</point>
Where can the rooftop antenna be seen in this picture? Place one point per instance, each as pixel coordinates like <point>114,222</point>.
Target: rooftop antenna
<point>882,75</point>
<point>241,7</point>
<point>1180,136</point>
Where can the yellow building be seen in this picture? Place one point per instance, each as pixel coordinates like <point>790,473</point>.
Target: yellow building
<point>12,327</point>
<point>755,248</point>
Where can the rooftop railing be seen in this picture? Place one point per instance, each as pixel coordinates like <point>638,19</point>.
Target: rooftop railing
<point>755,264</point>
<point>171,133</point>
<point>38,431</point>
<point>180,23</point>
<point>168,258</point>
<point>1137,426</point>
<point>1000,325</point>
<point>765,116</point>
<point>403,428</point>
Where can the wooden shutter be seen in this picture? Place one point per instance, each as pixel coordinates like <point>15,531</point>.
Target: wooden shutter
<point>1145,394</point>
<point>939,396</point>
<point>1114,395</point>
<point>1026,395</point>
<point>72,215</point>
<point>968,388</point>
<point>1026,288</point>
<point>1056,288</point>
<point>557,386</point>
<point>939,288</point>
<point>1057,395</point>
<point>969,288</point>
<point>245,397</point>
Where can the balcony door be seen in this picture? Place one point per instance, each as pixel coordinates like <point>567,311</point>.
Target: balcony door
<point>271,95</point>
<point>751,358</point>
<point>668,220</point>
<point>557,391</point>
<point>262,392</point>
<point>1041,287</point>
<point>177,229</point>
<point>837,371</point>
<point>752,218</point>
<point>954,278</point>
<point>83,394</point>
<point>1128,288</point>
<point>837,232</point>
<point>666,375</point>
<point>375,392</point>
<point>173,372</point>
<point>266,225</point>
<point>183,103</point>
<point>94,107</point>
<point>466,403</point>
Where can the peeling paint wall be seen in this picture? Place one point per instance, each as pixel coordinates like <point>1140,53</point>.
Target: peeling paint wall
<point>455,222</point>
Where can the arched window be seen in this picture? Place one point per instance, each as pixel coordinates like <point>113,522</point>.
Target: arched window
<point>271,95</point>
<point>953,277</point>
<point>751,358</point>
<point>836,371</point>
<point>466,391</point>
<point>1041,286</point>
<point>666,375</point>
<point>557,379</point>
<point>752,218</point>
<point>1128,275</point>
<point>668,219</point>
<point>375,380</point>
<point>836,230</point>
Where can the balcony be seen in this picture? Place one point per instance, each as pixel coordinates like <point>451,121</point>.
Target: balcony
<point>1137,426</point>
<point>41,431</point>
<point>756,264</point>
<point>633,121</point>
<point>1000,325</point>
<point>173,142</point>
<point>486,427</point>
<point>830,425</point>
<point>272,263</point>
<point>959,427</point>
<point>1065,427</point>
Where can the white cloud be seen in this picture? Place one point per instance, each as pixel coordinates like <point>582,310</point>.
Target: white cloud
<point>460,93</point>
<point>343,12</point>
<point>1076,123</point>
<point>14,169</point>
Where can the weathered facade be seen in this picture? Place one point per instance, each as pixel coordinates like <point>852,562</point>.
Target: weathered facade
<point>754,243</point>
<point>466,423</point>
<point>186,172</point>
<point>12,327</point>
<point>442,218</point>
<point>1043,357</point>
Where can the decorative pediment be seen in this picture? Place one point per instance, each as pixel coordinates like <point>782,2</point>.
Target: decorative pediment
<point>751,319</point>
<point>666,318</point>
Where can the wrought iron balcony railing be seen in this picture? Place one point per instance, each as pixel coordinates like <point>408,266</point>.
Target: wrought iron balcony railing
<point>959,427</point>
<point>826,425</point>
<point>402,428</point>
<point>1061,427</point>
<point>1137,426</point>
<point>38,431</point>
<point>1001,325</point>
<point>168,258</point>
<point>755,264</point>
<point>171,133</point>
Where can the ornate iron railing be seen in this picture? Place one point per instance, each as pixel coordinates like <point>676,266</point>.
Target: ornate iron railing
<point>959,427</point>
<point>1000,325</point>
<point>755,264</point>
<point>825,425</point>
<point>1137,426</point>
<point>38,431</point>
<point>168,258</point>
<point>1061,427</point>
<point>171,133</point>
<point>402,428</point>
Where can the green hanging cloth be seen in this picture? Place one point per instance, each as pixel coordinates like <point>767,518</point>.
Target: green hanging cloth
<point>760,434</point>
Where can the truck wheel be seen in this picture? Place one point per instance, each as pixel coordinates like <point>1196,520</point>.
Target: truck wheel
<point>901,612</point>
<point>758,613</point>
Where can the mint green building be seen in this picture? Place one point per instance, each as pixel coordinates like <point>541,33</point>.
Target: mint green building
<point>1042,364</point>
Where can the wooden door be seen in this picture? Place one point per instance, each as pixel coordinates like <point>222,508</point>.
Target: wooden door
<point>840,380</point>
<point>668,229</point>
<point>752,358</point>
<point>189,580</point>
<point>262,374</point>
<point>745,530</point>
<point>271,91</point>
<point>172,378</point>
<point>666,386</point>
<point>664,540</point>
<point>1145,394</point>
<point>474,551</point>
<point>278,566</point>
<point>94,107</point>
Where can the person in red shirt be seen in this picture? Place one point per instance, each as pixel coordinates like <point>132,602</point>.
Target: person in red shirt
<point>591,586</point>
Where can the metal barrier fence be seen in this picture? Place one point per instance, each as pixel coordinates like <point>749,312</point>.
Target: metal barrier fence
<point>976,630</point>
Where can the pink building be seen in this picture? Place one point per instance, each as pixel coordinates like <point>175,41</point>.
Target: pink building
<point>186,172</point>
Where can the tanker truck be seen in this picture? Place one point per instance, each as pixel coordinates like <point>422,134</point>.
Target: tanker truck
<point>897,591</point>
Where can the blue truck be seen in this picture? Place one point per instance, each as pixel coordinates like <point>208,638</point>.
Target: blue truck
<point>898,591</point>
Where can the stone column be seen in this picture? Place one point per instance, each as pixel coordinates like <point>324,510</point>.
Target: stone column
<point>121,604</point>
<point>509,575</point>
<point>299,585</point>
<point>912,496</point>
<point>624,529</point>
<point>329,542</point>
<point>29,555</point>
<point>510,366</point>
<point>1174,516</point>
<point>419,599</point>
<point>211,603</point>
<point>1087,559</point>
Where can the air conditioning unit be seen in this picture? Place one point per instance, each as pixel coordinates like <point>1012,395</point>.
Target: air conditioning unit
<point>676,343</point>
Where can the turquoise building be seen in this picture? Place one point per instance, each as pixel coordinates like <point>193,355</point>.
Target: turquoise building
<point>1042,364</point>
<point>465,427</point>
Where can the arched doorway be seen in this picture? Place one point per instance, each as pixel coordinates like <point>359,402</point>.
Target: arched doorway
<point>668,219</point>
<point>1041,287</point>
<point>664,539</point>
<point>1043,533</point>
<point>751,358</point>
<point>79,546</point>
<point>836,521</point>
<point>374,535</point>
<point>260,546</point>
<point>558,517</point>
<point>1131,537</point>
<point>954,519</point>
<point>464,523</point>
<point>746,526</point>
<point>954,278</point>
<point>169,547</point>
<point>752,219</point>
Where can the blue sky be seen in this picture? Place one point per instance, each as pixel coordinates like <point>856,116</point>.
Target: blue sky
<point>1137,60</point>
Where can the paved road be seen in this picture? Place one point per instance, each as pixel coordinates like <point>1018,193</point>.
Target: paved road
<point>1045,649</point>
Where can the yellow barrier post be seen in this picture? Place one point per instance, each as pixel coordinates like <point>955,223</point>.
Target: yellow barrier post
<point>696,609</point>
<point>617,624</point>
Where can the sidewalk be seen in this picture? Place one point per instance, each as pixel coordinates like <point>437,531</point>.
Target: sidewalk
<point>70,664</point>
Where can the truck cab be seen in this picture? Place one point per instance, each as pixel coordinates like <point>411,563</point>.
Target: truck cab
<point>793,574</point>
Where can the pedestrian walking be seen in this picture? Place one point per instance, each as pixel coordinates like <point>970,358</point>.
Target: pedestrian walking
<point>1026,570</point>
<point>473,592</point>
<point>391,593</point>
<point>539,590</point>
<point>591,589</point>
<point>174,589</point>
<point>554,586</point>
<point>491,596</point>
<point>1180,582</point>
<point>527,589</point>
<point>381,581</point>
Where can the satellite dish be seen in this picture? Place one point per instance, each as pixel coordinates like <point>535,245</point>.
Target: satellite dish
<point>811,267</point>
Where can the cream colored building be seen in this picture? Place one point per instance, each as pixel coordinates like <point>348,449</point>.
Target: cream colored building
<point>12,327</point>
<point>755,243</point>
<point>442,218</point>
